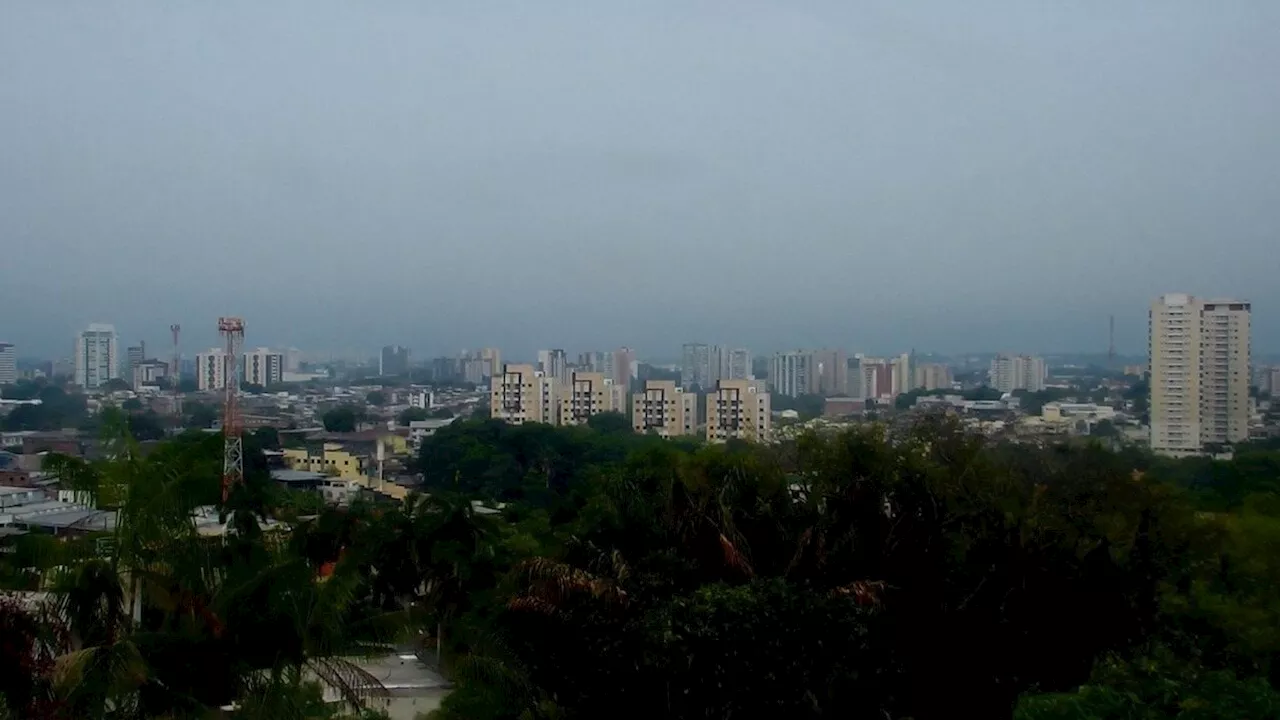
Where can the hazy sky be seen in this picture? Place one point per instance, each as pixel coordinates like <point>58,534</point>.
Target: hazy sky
<point>876,175</point>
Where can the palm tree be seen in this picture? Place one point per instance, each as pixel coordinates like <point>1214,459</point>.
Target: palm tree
<point>168,621</point>
<point>452,548</point>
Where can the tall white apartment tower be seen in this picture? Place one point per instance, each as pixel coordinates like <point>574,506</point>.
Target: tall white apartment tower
<point>263,366</point>
<point>1199,354</point>
<point>8,363</point>
<point>211,369</point>
<point>1018,372</point>
<point>97,355</point>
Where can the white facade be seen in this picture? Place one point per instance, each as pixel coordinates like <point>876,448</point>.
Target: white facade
<point>554,364</point>
<point>901,374</point>
<point>211,369</point>
<point>793,373</point>
<point>8,364</point>
<point>1199,353</point>
<point>263,367</point>
<point>1018,372</point>
<point>149,372</point>
<point>421,399</point>
<point>737,365</point>
<point>932,376</point>
<point>97,356</point>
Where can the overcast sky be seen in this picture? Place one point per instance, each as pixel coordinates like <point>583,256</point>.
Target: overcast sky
<point>950,176</point>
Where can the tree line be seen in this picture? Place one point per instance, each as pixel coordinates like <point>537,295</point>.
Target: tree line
<point>590,572</point>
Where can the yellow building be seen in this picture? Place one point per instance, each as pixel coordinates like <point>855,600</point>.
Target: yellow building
<point>328,458</point>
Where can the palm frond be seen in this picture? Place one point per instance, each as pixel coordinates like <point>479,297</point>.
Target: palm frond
<point>733,558</point>
<point>490,671</point>
<point>555,582</point>
<point>108,669</point>
<point>867,593</point>
<point>525,603</point>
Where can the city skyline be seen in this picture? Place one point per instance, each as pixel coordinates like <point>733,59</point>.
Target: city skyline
<point>472,176</point>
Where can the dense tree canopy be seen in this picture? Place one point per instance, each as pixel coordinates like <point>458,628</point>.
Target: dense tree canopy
<point>344,418</point>
<point>586,572</point>
<point>56,410</point>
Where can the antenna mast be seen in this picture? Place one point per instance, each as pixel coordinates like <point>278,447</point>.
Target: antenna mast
<point>175,371</point>
<point>232,331</point>
<point>1111,344</point>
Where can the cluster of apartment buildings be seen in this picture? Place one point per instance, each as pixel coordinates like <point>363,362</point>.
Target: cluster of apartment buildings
<point>261,366</point>
<point>733,409</point>
<point>833,373</point>
<point>702,365</point>
<point>98,360</point>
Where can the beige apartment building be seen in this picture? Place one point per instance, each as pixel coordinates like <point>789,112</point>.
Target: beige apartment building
<point>739,409</point>
<point>519,394</point>
<point>1199,359</point>
<point>932,376</point>
<point>665,409</point>
<point>590,393</point>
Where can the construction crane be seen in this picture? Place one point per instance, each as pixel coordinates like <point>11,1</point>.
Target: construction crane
<point>232,331</point>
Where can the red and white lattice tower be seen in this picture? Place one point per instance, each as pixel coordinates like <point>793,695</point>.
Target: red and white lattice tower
<point>232,331</point>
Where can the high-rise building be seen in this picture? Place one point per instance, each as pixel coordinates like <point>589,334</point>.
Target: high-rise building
<point>1199,354</point>
<point>211,369</point>
<point>877,379</point>
<point>394,361</point>
<point>493,356</point>
<point>97,356</point>
<point>590,393</point>
<point>832,369</point>
<point>737,365</point>
<point>1017,372</point>
<point>739,409</point>
<point>445,369</point>
<point>522,394</point>
<point>901,368</point>
<point>292,360</point>
<point>134,355</point>
<point>8,364</point>
<point>664,409</point>
<point>263,367</point>
<point>932,376</point>
<point>554,364</point>
<point>594,362</point>
<point>793,373</point>
<point>150,372</point>
<point>624,367</point>
<point>700,365</point>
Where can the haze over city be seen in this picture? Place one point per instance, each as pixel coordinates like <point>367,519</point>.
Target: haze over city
<point>939,175</point>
